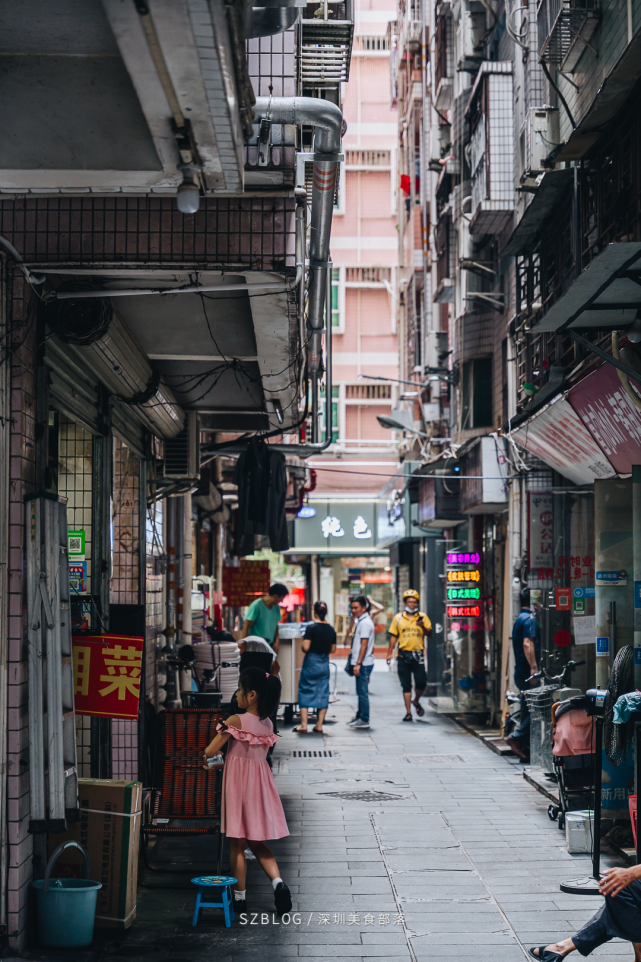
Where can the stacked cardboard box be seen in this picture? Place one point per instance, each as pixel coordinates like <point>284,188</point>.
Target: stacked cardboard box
<point>109,829</point>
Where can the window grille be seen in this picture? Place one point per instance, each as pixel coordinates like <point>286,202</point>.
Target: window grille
<point>367,158</point>
<point>367,275</point>
<point>371,43</point>
<point>368,391</point>
<point>75,465</point>
<point>251,233</point>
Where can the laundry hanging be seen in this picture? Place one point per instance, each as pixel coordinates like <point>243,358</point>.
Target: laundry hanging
<point>261,477</point>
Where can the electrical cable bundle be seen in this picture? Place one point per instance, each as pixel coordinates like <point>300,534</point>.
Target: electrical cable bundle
<point>80,322</point>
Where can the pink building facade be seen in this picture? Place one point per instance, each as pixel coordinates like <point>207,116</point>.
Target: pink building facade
<point>364,250</point>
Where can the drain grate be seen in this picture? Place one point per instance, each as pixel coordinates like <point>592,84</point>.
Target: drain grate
<point>432,759</point>
<point>318,754</point>
<point>365,796</point>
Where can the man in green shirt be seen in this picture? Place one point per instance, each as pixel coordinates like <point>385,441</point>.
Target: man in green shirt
<point>264,614</point>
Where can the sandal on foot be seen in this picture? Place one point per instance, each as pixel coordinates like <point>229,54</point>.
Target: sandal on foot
<point>301,731</point>
<point>408,717</point>
<point>419,711</point>
<point>319,731</point>
<point>544,956</point>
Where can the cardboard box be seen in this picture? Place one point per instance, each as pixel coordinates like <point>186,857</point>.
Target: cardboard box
<point>109,829</point>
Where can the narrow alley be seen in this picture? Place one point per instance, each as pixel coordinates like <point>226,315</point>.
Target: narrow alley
<point>447,854</point>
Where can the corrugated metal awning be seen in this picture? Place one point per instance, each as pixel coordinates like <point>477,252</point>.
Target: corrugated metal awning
<point>606,294</point>
<point>547,195</point>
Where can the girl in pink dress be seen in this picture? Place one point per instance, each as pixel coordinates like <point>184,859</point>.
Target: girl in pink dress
<point>252,810</point>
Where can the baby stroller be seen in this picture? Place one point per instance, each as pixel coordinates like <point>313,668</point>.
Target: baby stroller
<point>573,740</point>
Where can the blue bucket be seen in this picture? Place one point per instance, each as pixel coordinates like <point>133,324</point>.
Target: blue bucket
<point>66,907</point>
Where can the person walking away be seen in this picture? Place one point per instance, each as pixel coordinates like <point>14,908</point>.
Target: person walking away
<point>263,616</point>
<point>319,642</point>
<point>410,630</point>
<point>526,642</point>
<point>618,918</point>
<point>362,659</point>
<point>252,811</point>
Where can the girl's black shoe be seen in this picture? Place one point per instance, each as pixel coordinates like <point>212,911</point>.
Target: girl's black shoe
<point>282,899</point>
<point>240,906</point>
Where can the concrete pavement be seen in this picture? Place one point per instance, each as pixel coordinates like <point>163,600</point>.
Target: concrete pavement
<point>444,853</point>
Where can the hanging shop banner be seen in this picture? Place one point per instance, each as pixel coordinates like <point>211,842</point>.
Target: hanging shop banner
<point>106,675</point>
<point>558,436</point>
<point>540,530</point>
<point>246,583</point>
<point>610,416</point>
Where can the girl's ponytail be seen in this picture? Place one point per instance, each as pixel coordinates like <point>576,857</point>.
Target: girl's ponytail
<point>266,686</point>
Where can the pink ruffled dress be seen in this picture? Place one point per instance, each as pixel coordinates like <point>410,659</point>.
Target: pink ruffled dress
<point>251,804</point>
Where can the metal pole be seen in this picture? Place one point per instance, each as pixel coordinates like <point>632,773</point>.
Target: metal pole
<point>37,822</point>
<point>596,845</point>
<point>636,556</point>
<point>70,762</point>
<point>637,781</point>
<point>613,632</point>
<point>5,451</point>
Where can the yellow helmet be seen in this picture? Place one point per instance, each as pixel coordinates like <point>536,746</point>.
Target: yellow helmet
<point>411,593</point>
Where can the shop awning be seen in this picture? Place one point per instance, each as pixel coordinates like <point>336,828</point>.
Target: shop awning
<point>547,195</point>
<point>558,437</point>
<point>592,431</point>
<point>609,99</point>
<point>606,294</point>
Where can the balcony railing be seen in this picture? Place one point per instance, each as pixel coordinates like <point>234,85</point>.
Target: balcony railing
<point>565,28</point>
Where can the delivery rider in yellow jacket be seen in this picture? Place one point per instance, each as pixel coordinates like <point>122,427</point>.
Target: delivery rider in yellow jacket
<point>410,630</point>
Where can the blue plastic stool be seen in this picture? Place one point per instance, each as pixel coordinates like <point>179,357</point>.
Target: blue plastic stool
<point>223,882</point>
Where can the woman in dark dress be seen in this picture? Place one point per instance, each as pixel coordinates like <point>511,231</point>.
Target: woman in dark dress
<point>319,642</point>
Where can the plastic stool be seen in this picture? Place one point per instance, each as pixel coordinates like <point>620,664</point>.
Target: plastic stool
<point>223,882</point>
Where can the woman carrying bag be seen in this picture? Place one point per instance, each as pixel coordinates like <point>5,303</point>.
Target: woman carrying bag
<point>319,642</point>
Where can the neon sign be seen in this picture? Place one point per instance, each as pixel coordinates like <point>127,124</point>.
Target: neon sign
<point>454,558</point>
<point>464,594</point>
<point>456,611</point>
<point>464,575</point>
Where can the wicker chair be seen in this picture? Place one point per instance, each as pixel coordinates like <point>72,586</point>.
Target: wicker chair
<point>183,790</point>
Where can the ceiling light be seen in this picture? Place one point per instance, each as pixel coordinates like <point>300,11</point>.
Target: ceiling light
<point>188,195</point>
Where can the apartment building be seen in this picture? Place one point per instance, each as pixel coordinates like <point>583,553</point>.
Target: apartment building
<point>518,132</point>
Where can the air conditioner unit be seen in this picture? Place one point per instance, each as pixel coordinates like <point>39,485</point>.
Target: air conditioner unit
<point>542,137</point>
<point>437,348</point>
<point>182,453</point>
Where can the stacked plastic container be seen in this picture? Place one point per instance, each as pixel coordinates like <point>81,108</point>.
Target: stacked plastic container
<point>222,660</point>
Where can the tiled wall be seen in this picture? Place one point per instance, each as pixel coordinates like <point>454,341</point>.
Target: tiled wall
<point>22,481</point>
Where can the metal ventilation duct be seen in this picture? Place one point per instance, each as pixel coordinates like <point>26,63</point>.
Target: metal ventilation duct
<point>122,367</point>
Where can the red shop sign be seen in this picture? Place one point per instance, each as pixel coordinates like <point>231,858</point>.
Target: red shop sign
<point>106,675</point>
<point>610,416</point>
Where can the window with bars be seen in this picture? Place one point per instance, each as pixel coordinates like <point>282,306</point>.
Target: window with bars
<point>335,401</point>
<point>476,394</point>
<point>336,311</point>
<point>75,483</point>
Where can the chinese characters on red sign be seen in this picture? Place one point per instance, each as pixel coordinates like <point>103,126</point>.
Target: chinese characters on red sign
<point>106,674</point>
